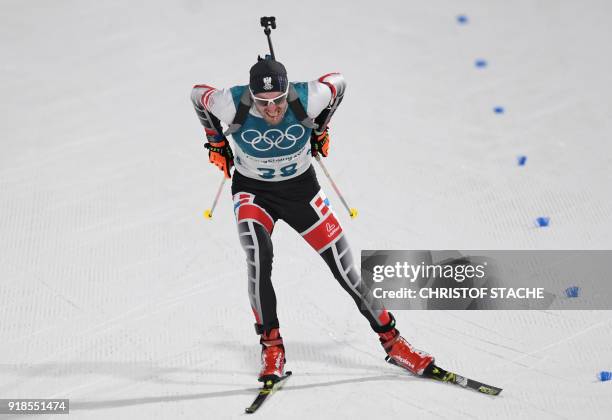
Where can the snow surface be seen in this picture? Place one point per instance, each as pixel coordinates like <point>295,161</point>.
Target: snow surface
<point>116,293</point>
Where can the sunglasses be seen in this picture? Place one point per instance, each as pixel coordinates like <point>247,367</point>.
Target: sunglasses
<point>277,100</point>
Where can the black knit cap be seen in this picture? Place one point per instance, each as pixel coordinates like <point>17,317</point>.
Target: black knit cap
<point>268,75</point>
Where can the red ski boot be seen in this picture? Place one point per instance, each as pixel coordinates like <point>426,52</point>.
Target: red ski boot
<point>403,354</point>
<point>272,356</point>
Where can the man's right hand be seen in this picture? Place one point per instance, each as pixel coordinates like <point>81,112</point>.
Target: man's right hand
<point>220,154</point>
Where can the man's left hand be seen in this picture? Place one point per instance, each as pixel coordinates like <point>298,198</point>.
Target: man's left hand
<point>320,143</point>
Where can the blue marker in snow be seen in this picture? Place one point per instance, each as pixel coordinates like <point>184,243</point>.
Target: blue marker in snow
<point>462,19</point>
<point>543,221</point>
<point>605,375</point>
<point>499,110</point>
<point>522,160</point>
<point>480,63</point>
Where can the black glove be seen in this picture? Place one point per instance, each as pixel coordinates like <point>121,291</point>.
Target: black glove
<point>319,143</point>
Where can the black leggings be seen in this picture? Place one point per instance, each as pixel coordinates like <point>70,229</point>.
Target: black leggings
<point>303,206</point>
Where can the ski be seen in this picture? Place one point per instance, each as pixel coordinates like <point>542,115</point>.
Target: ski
<point>439,374</point>
<point>269,388</point>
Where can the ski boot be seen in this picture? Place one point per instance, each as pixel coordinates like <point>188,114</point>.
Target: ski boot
<point>272,356</point>
<point>401,353</point>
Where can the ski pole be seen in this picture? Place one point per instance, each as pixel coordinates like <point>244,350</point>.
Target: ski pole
<point>208,213</point>
<point>351,210</point>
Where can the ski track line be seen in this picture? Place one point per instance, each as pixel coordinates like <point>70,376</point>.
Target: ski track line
<point>549,346</point>
<point>145,310</point>
<point>474,346</point>
<point>565,339</point>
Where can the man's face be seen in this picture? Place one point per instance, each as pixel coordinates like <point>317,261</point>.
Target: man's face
<point>271,105</point>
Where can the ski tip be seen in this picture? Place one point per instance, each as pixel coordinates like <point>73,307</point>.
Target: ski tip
<point>271,383</point>
<point>489,390</point>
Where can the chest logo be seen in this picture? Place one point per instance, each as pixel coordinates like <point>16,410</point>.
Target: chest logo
<point>273,138</point>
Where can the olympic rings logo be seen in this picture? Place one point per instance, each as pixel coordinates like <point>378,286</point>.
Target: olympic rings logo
<point>273,138</point>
